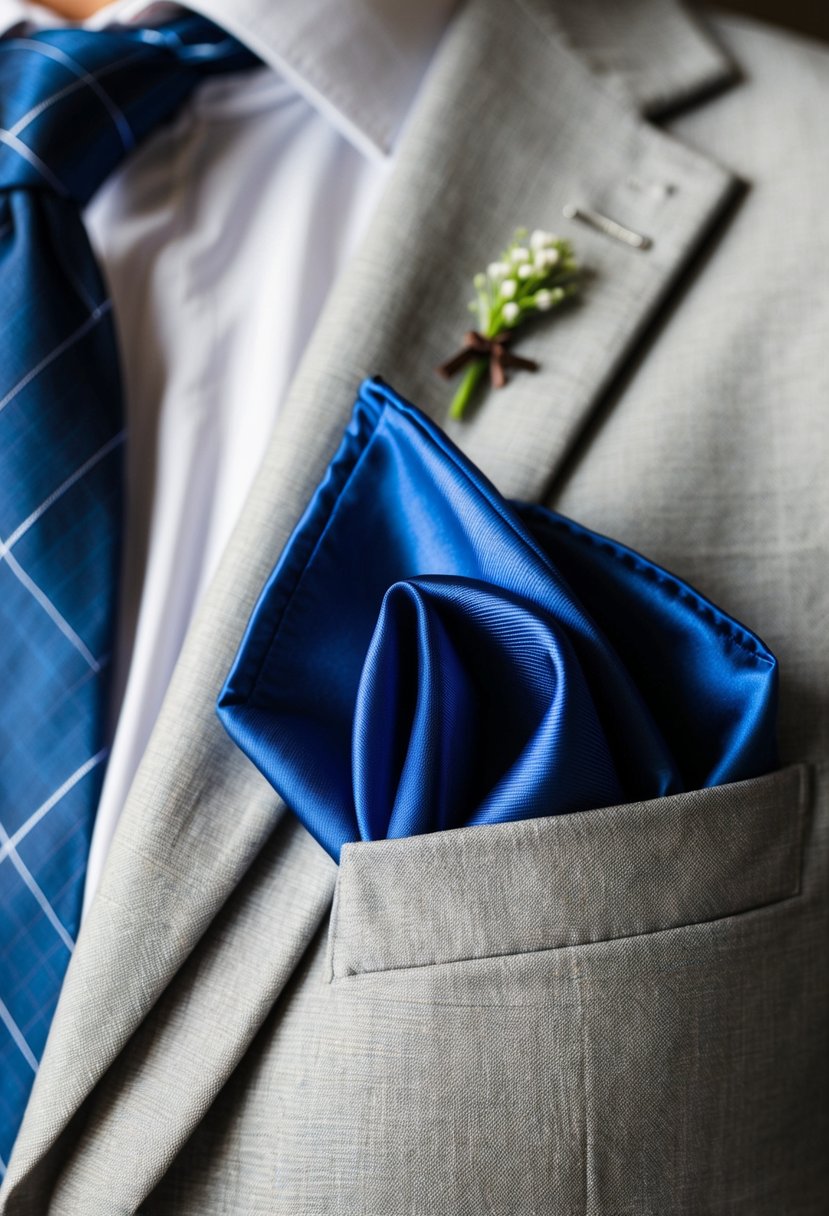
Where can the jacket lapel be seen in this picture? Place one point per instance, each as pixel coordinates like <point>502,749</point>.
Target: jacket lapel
<point>212,890</point>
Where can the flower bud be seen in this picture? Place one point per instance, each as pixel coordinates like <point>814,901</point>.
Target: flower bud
<point>542,240</point>
<point>546,259</point>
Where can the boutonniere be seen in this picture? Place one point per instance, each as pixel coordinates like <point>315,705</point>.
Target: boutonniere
<point>535,273</point>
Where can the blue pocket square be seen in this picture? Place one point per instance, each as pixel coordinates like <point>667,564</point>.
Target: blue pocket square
<point>427,655</point>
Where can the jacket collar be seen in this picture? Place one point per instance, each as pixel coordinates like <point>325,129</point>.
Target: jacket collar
<point>656,57</point>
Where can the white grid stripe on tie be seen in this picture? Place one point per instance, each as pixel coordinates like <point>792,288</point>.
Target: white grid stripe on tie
<point>5,545</point>
<point>51,611</point>
<point>92,320</point>
<point>84,78</point>
<point>36,890</point>
<point>36,111</point>
<point>52,801</point>
<point>16,1033</point>
<point>3,1168</point>
<point>21,530</point>
<point>18,146</point>
<point>67,89</point>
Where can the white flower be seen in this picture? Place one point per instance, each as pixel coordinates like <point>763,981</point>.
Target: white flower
<point>542,240</point>
<point>543,300</point>
<point>510,312</point>
<point>546,259</point>
<point>508,289</point>
<point>497,270</point>
<point>526,270</point>
<point>520,254</point>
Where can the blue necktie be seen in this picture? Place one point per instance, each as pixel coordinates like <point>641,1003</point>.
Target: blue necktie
<point>73,104</point>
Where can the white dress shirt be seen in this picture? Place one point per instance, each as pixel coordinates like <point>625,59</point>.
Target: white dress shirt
<point>219,239</point>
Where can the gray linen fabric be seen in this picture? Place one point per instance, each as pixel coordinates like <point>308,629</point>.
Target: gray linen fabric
<point>541,884</point>
<point>621,1012</point>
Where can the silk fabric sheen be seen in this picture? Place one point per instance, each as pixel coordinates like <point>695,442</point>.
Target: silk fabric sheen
<point>426,655</point>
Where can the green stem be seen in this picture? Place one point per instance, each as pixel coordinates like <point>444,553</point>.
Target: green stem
<point>467,387</point>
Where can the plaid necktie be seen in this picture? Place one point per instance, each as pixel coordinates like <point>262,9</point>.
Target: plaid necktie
<point>73,103</point>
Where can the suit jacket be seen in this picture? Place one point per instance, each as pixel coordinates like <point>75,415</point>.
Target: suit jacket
<point>622,1011</point>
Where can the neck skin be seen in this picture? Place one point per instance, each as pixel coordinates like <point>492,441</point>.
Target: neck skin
<point>74,10</point>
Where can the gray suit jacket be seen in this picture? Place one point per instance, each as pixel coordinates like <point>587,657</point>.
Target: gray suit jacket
<point>624,1011</point>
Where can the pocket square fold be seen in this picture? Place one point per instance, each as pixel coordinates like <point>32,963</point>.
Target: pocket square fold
<point>427,655</point>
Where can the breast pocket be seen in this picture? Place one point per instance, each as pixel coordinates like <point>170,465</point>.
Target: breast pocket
<point>617,1011</point>
<point>568,880</point>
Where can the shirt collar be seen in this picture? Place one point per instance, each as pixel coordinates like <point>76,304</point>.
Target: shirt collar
<point>359,62</point>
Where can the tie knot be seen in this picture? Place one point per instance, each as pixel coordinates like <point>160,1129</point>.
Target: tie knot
<point>74,102</point>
